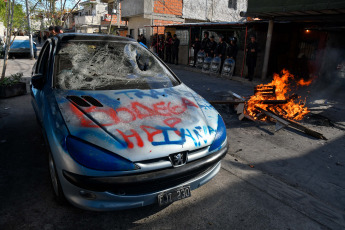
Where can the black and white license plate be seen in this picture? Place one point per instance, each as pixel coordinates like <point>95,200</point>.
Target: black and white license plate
<point>174,195</point>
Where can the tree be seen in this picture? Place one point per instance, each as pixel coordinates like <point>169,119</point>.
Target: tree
<point>9,22</point>
<point>19,20</point>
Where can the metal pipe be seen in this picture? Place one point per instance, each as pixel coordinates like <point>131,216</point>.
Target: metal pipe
<point>189,43</point>
<point>157,43</point>
<point>244,51</point>
<point>267,49</point>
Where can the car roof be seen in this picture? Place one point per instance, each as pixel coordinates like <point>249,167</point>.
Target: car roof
<point>81,36</point>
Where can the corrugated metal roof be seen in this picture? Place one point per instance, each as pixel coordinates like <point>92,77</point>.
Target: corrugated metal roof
<point>235,24</point>
<point>277,8</point>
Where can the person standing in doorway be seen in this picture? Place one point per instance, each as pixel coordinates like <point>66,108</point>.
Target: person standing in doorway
<point>196,47</point>
<point>175,49</point>
<point>252,53</point>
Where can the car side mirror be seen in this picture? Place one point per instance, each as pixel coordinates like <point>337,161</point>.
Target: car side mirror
<point>38,81</point>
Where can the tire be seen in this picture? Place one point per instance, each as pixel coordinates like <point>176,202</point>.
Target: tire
<point>55,182</point>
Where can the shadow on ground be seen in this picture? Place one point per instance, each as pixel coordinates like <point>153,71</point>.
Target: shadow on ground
<point>226,202</point>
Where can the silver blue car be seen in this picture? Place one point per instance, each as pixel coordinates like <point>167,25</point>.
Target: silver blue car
<point>122,130</point>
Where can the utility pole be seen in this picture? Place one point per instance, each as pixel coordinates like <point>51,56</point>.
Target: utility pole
<point>29,30</point>
<point>267,49</point>
<point>112,13</point>
<point>118,14</point>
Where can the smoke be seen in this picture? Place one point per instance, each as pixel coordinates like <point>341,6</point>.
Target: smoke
<point>331,81</point>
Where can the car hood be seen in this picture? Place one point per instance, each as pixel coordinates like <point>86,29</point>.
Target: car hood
<point>140,124</point>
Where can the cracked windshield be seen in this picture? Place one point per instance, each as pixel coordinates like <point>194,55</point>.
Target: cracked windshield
<point>90,65</point>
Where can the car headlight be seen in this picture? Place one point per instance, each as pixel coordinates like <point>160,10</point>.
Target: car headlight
<point>94,157</point>
<point>220,135</point>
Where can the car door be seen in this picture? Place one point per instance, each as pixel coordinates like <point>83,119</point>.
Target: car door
<point>42,67</point>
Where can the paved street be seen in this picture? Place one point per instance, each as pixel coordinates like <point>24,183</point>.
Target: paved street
<point>294,182</point>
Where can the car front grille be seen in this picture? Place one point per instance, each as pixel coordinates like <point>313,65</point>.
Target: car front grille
<point>158,185</point>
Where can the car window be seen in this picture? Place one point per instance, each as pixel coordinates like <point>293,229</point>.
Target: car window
<point>110,65</point>
<point>42,63</point>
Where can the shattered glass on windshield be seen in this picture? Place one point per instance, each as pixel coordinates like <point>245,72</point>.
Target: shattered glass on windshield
<point>99,65</point>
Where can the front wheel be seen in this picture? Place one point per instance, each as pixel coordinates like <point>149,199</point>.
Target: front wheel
<point>54,178</point>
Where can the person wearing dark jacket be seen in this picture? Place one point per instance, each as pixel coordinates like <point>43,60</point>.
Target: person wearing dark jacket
<point>58,30</point>
<point>211,47</point>
<point>143,39</point>
<point>154,43</point>
<point>232,50</point>
<point>168,44</point>
<point>161,47</point>
<point>196,46</point>
<point>51,31</point>
<point>252,53</point>
<point>221,51</point>
<point>204,42</point>
<point>175,49</point>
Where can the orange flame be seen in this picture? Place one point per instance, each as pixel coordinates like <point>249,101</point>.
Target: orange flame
<point>302,82</point>
<point>294,109</point>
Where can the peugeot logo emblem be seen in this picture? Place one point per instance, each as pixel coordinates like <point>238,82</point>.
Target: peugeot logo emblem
<point>178,159</point>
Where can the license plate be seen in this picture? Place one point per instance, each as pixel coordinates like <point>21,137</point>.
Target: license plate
<point>174,195</point>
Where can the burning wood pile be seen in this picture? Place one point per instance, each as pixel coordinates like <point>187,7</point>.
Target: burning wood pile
<point>275,102</point>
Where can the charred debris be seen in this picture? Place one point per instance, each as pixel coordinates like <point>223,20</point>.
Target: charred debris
<point>268,109</point>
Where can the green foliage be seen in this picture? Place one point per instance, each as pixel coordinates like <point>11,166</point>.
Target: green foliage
<point>19,16</point>
<point>2,11</point>
<point>12,80</point>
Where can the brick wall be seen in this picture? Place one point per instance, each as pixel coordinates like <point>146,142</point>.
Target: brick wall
<point>114,22</point>
<point>162,22</point>
<point>173,7</point>
<point>123,33</point>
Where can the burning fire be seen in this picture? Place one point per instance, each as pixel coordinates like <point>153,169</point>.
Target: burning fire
<point>277,97</point>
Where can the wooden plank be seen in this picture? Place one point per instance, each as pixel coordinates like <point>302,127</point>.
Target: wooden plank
<point>293,124</point>
<point>237,96</point>
<point>227,102</point>
<point>240,108</point>
<point>271,102</point>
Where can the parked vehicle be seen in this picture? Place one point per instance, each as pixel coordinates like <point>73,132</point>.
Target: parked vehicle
<point>20,48</point>
<point>122,130</point>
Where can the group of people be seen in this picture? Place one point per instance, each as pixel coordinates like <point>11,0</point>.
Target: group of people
<point>53,30</point>
<point>225,50</point>
<point>167,48</point>
<point>222,49</point>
